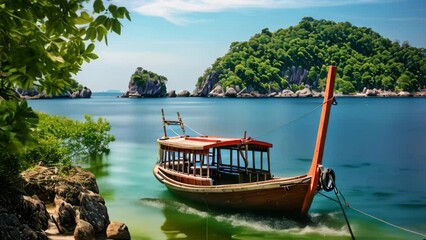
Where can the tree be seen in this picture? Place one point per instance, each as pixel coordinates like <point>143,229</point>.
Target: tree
<point>43,43</point>
<point>362,56</point>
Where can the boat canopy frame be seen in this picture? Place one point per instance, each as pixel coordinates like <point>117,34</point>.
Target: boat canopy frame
<point>224,160</point>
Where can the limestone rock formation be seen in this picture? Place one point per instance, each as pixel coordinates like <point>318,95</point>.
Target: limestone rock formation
<point>207,85</point>
<point>144,83</point>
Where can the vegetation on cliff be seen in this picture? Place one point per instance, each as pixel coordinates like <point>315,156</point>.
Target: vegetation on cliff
<point>288,58</point>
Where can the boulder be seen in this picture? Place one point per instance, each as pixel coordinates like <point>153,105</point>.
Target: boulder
<point>94,211</point>
<point>22,217</point>
<point>117,230</point>
<point>84,231</point>
<point>272,94</point>
<point>404,94</point>
<point>9,226</point>
<point>182,93</point>
<point>317,94</point>
<point>85,93</point>
<point>231,92</point>
<point>171,94</point>
<point>420,94</point>
<point>306,92</point>
<point>371,92</point>
<point>75,94</point>
<point>245,95</point>
<point>64,216</point>
<point>41,181</point>
<point>287,93</point>
<point>216,92</point>
<point>33,212</point>
<point>388,94</point>
<point>46,183</point>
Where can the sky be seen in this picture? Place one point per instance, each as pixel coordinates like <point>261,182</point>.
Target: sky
<point>180,39</point>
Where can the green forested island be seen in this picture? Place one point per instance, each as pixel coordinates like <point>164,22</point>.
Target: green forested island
<point>290,58</point>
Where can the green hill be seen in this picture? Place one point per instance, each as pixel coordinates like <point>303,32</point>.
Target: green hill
<point>288,58</point>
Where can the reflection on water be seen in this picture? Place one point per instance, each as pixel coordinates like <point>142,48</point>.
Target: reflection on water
<point>185,222</point>
<point>98,165</point>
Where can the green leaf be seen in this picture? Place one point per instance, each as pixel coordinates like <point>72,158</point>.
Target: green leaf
<point>91,56</point>
<point>113,10</point>
<point>84,18</point>
<point>116,26</point>
<point>98,6</point>
<point>90,48</point>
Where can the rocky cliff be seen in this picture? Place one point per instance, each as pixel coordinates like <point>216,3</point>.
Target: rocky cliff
<point>79,209</point>
<point>144,83</point>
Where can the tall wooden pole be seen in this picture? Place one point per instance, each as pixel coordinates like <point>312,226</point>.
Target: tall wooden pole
<point>322,133</point>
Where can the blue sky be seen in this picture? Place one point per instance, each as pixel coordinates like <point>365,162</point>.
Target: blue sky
<point>179,39</point>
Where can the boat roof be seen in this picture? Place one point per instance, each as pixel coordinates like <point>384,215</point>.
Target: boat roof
<point>207,142</point>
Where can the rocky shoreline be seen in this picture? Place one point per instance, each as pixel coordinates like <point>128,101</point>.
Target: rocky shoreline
<point>78,211</point>
<point>218,92</point>
<point>35,94</point>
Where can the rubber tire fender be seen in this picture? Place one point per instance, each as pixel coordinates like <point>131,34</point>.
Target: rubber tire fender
<point>328,179</point>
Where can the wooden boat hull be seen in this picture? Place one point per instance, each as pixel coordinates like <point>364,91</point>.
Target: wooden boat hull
<point>284,196</point>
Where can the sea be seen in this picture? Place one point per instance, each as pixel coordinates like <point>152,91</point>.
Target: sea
<point>376,146</point>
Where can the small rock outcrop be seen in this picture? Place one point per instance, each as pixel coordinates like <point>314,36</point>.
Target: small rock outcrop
<point>76,189</point>
<point>182,93</point>
<point>371,92</point>
<point>231,92</point>
<point>94,211</point>
<point>306,92</point>
<point>287,93</point>
<point>84,231</point>
<point>144,83</point>
<point>64,216</point>
<point>171,94</point>
<point>22,217</point>
<point>216,92</point>
<point>404,94</point>
<point>118,230</point>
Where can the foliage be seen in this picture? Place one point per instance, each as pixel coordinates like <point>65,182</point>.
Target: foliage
<point>62,140</point>
<point>142,76</point>
<point>43,43</point>
<point>363,57</point>
<point>17,122</point>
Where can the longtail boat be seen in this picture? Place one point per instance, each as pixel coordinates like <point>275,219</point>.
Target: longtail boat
<point>235,173</point>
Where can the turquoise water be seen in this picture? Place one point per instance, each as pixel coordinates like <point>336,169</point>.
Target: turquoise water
<point>376,146</point>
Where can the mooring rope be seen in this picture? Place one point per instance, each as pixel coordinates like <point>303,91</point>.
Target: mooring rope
<point>193,130</point>
<point>177,134</point>
<point>371,216</point>
<point>298,118</point>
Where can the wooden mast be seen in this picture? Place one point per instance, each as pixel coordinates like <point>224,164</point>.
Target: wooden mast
<point>322,133</point>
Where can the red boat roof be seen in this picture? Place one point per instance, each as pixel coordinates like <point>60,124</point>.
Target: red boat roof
<point>207,142</point>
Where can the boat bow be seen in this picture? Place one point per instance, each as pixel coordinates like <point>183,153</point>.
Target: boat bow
<point>314,170</point>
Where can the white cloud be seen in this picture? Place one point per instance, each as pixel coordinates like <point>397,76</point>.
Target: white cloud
<point>176,11</point>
